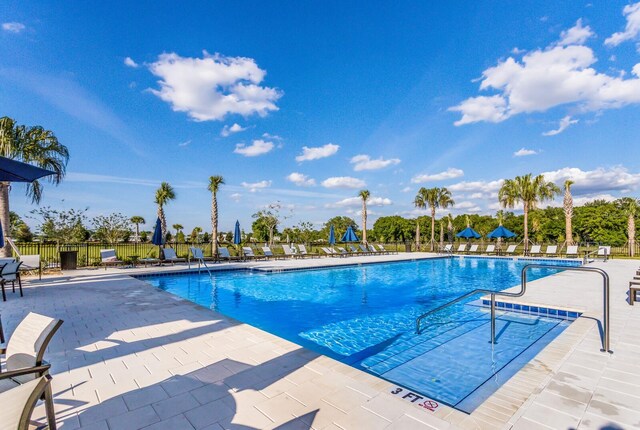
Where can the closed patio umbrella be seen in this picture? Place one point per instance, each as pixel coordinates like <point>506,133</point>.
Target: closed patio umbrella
<point>237,237</point>
<point>332,236</point>
<point>156,239</point>
<point>1,236</point>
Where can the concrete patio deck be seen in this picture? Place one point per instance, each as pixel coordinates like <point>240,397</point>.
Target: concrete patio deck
<point>131,356</point>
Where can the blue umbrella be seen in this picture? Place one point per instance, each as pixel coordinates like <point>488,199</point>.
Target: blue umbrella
<point>237,238</point>
<point>157,234</point>
<point>469,233</point>
<point>350,236</point>
<point>501,232</point>
<point>332,236</point>
<point>17,171</point>
<point>1,236</point>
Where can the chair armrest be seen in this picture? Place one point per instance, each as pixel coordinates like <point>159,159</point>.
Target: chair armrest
<point>39,370</point>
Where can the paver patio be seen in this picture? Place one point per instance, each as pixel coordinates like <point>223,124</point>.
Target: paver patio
<point>131,356</point>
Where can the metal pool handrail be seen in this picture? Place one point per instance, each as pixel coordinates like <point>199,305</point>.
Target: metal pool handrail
<point>523,289</point>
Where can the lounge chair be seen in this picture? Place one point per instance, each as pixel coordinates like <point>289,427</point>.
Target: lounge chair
<point>552,251</point>
<point>448,248</point>
<point>474,249</point>
<point>108,258</point>
<point>604,251</point>
<point>247,253</point>
<point>31,263</point>
<point>462,248</point>
<point>223,253</point>
<point>10,272</point>
<point>364,249</point>
<point>269,254</point>
<point>511,250</point>
<point>170,255</point>
<point>305,253</point>
<point>288,252</point>
<point>19,402</point>
<point>24,358</point>
<point>491,249</point>
<point>535,250</point>
<point>373,250</point>
<point>383,249</point>
<point>572,251</point>
<point>327,251</point>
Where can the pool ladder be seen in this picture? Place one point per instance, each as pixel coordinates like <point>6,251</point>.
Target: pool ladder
<point>523,289</point>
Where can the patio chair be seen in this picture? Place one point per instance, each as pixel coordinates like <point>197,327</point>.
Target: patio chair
<point>247,253</point>
<point>305,253</point>
<point>462,248</point>
<point>288,252</point>
<point>572,251</point>
<point>31,263</point>
<point>223,253</point>
<point>473,249</point>
<point>383,249</point>
<point>268,253</point>
<point>373,250</point>
<point>108,258</point>
<point>448,248</point>
<point>511,250</point>
<point>552,251</point>
<point>170,255</point>
<point>10,272</point>
<point>341,252</point>
<point>364,249</point>
<point>491,249</point>
<point>604,251</point>
<point>24,356</point>
<point>535,250</point>
<point>19,402</point>
<point>353,249</point>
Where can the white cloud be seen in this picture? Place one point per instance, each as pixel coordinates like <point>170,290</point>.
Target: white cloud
<point>271,136</point>
<point>547,78</point>
<point>596,181</point>
<point>632,14</point>
<point>236,197</point>
<point>343,182</point>
<point>450,173</point>
<point>564,124</point>
<point>211,87</point>
<point>301,180</point>
<point>185,143</point>
<point>576,35</point>
<point>467,207</point>
<point>255,186</point>
<point>522,152</point>
<point>357,202</point>
<point>406,189</point>
<point>13,27</point>
<point>229,130</point>
<point>257,147</point>
<point>317,152</point>
<point>129,62</point>
<point>364,162</point>
<point>477,186</point>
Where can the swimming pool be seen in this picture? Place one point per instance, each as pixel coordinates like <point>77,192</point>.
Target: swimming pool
<point>364,316</point>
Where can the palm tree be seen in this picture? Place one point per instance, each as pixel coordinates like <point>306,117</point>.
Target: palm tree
<point>137,220</point>
<point>630,207</point>
<point>528,191</point>
<point>568,212</point>
<point>214,185</point>
<point>364,195</point>
<point>177,228</point>
<point>33,145</point>
<point>420,203</point>
<point>164,195</point>
<point>434,198</point>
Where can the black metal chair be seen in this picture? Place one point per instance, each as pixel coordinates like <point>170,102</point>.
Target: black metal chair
<point>10,272</point>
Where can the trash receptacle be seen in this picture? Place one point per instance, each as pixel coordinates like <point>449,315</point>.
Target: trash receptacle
<point>68,260</point>
<point>407,247</point>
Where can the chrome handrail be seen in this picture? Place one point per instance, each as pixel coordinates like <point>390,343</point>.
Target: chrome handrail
<point>523,289</point>
<point>585,260</point>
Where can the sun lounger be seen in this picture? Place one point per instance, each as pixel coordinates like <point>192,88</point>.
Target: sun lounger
<point>170,255</point>
<point>511,250</point>
<point>223,253</point>
<point>305,253</point>
<point>535,250</point>
<point>383,249</point>
<point>19,402</point>
<point>288,252</point>
<point>10,272</point>
<point>31,263</point>
<point>448,248</point>
<point>23,362</point>
<point>473,249</point>
<point>373,250</point>
<point>491,249</point>
<point>269,254</point>
<point>552,251</point>
<point>364,249</point>
<point>462,248</point>
<point>108,258</point>
<point>328,252</point>
<point>572,251</point>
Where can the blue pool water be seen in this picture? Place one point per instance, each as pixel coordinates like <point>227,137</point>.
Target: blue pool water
<point>365,315</point>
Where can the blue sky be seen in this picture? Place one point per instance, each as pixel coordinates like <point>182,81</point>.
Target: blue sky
<point>388,98</point>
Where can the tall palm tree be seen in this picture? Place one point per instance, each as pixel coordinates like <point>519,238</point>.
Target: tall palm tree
<point>177,228</point>
<point>214,185</point>
<point>568,212</point>
<point>420,203</point>
<point>528,191</point>
<point>630,207</point>
<point>164,195</point>
<point>33,145</point>
<point>434,198</point>
<point>364,195</point>
<point>137,220</point>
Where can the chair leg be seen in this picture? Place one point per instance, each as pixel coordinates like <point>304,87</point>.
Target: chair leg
<point>2,340</point>
<point>20,284</point>
<point>4,294</point>
<point>48,405</point>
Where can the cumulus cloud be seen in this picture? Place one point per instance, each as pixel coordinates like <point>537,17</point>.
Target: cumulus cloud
<point>214,86</point>
<point>255,186</point>
<point>357,202</point>
<point>576,35</point>
<point>406,189</point>
<point>596,181</point>
<point>271,136</point>
<point>129,62</point>
<point>257,147</point>
<point>301,180</point>
<point>556,76</point>
<point>343,182</point>
<point>632,29</point>
<point>236,197</point>
<point>468,207</point>
<point>13,27</point>
<point>228,130</point>
<point>365,162</point>
<point>450,173</point>
<point>564,124</point>
<point>317,152</point>
<point>185,143</point>
<point>522,152</point>
<point>477,186</point>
